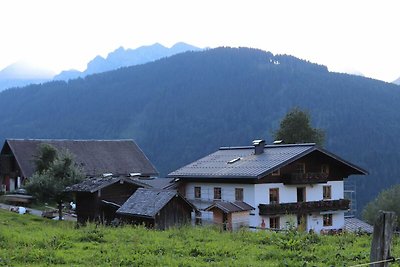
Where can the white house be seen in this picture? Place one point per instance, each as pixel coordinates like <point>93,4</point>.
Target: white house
<point>269,186</point>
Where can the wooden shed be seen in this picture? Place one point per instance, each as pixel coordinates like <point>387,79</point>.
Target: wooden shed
<point>230,215</point>
<point>99,198</point>
<point>156,208</point>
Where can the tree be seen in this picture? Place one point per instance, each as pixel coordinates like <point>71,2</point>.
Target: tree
<point>387,200</point>
<point>295,127</point>
<point>46,157</point>
<point>55,170</point>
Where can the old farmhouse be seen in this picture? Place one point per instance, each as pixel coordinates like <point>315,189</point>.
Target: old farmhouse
<point>95,157</point>
<point>269,186</point>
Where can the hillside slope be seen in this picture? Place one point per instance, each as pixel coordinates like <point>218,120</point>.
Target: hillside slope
<point>183,107</point>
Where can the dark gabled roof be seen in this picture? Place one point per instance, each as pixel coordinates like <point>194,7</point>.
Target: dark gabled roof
<point>119,157</point>
<point>92,185</point>
<point>148,202</point>
<point>241,162</point>
<point>229,207</point>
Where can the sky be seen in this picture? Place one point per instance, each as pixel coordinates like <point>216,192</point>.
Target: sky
<point>344,35</point>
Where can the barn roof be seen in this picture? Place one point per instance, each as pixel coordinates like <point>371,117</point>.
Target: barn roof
<point>355,225</point>
<point>94,184</point>
<point>243,162</point>
<point>229,207</point>
<point>160,183</point>
<point>119,157</point>
<point>148,202</point>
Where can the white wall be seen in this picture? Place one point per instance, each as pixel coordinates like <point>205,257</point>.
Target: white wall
<point>315,221</point>
<point>315,192</point>
<point>255,194</point>
<point>227,191</point>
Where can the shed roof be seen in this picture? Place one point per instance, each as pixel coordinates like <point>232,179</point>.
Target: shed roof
<point>160,183</point>
<point>148,202</point>
<point>92,185</point>
<point>229,207</point>
<point>352,224</point>
<point>242,162</point>
<point>94,156</point>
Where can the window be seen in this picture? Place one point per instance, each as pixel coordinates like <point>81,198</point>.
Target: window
<point>197,192</point>
<point>274,223</point>
<point>239,194</point>
<point>276,172</point>
<point>300,168</point>
<point>217,192</point>
<point>327,218</point>
<point>327,192</point>
<point>301,194</point>
<point>325,168</point>
<point>273,195</point>
<point>198,220</point>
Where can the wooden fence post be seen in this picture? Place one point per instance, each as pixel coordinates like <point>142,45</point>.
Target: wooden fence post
<point>382,238</point>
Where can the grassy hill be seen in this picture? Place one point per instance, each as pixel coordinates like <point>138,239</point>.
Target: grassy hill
<point>26,240</point>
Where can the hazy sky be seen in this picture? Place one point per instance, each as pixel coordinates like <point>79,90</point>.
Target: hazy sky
<point>344,35</point>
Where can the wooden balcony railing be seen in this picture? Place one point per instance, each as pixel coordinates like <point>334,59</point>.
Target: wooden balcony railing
<point>305,178</point>
<point>304,207</point>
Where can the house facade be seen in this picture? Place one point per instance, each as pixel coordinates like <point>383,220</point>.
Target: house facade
<point>299,185</point>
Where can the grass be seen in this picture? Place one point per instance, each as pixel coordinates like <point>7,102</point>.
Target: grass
<point>26,240</point>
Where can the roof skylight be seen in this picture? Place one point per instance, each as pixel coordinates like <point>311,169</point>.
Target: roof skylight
<point>233,160</point>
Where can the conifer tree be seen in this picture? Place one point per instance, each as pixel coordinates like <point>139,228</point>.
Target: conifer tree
<point>296,127</point>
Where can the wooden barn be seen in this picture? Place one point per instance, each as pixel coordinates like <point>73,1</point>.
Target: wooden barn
<point>95,157</point>
<point>156,208</point>
<point>97,199</point>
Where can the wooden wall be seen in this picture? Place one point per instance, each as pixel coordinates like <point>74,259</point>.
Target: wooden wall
<point>87,206</point>
<point>176,213</point>
<point>118,193</point>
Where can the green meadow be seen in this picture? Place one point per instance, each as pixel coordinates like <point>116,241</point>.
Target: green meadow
<point>26,240</point>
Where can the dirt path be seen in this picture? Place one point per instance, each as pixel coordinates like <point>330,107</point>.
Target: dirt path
<point>34,212</point>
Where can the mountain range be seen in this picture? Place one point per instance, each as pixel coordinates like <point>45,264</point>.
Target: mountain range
<point>183,107</point>
<point>127,57</point>
<point>21,74</point>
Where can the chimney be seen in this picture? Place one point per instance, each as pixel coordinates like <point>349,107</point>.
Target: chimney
<point>258,146</point>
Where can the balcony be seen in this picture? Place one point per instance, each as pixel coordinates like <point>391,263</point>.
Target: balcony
<point>305,178</point>
<point>304,207</point>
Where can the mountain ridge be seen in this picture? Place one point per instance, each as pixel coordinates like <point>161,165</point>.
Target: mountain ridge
<point>20,74</point>
<point>122,57</point>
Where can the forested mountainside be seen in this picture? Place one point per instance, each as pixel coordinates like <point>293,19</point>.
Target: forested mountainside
<point>181,108</point>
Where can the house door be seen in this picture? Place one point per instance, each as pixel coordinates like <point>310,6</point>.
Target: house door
<point>7,183</point>
<point>224,220</point>
<point>12,184</point>
<point>301,194</point>
<point>302,222</point>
